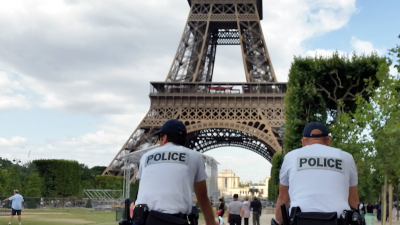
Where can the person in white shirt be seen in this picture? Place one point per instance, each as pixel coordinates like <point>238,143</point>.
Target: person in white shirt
<point>16,205</point>
<point>168,176</point>
<point>316,177</point>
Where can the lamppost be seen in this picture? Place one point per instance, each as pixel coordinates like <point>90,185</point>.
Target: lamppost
<point>16,161</point>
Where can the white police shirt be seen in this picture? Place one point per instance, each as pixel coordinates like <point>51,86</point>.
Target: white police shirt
<point>167,175</point>
<point>319,178</point>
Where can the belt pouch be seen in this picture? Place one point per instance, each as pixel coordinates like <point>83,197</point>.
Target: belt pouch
<point>140,214</point>
<point>293,212</point>
<point>316,218</point>
<point>157,218</point>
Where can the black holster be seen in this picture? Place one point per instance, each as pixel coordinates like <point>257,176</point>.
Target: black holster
<point>140,214</point>
<point>194,216</point>
<point>351,217</point>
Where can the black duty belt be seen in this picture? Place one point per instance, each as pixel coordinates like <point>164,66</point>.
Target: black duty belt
<point>179,215</point>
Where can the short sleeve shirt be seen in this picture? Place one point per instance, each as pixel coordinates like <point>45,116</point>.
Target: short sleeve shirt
<point>319,178</point>
<point>16,201</point>
<point>235,207</point>
<point>167,175</point>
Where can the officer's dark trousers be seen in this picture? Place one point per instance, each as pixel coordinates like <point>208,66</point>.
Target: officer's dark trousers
<point>235,219</point>
<point>256,218</point>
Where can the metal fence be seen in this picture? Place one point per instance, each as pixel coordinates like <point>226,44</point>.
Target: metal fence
<point>52,203</point>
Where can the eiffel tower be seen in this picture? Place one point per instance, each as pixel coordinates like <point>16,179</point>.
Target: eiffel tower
<point>246,115</point>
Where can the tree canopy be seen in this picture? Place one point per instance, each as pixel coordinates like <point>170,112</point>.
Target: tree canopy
<point>330,90</point>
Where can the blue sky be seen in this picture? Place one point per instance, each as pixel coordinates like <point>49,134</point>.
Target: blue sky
<point>74,75</point>
<point>374,21</point>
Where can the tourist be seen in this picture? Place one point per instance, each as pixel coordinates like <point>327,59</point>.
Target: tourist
<point>16,205</point>
<point>221,210</point>
<point>257,209</point>
<point>370,208</point>
<point>246,207</point>
<point>235,211</point>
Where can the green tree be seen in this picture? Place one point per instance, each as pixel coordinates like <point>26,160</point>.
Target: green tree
<point>371,133</point>
<point>33,185</point>
<point>14,180</point>
<point>5,163</point>
<point>61,178</point>
<point>273,183</point>
<point>3,182</point>
<point>320,88</point>
<point>98,170</point>
<point>86,173</point>
<point>108,182</point>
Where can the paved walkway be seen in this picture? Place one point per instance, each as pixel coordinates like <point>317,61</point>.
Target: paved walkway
<point>265,219</point>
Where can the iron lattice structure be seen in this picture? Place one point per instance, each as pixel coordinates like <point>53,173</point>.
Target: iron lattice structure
<point>211,23</point>
<point>246,115</point>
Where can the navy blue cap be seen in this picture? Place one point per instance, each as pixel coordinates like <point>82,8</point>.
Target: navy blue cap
<point>315,126</point>
<point>173,126</point>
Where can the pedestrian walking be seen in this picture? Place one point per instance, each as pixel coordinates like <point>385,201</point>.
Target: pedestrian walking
<point>379,212</point>
<point>318,179</point>
<point>257,208</point>
<point>235,211</point>
<point>16,205</point>
<point>221,211</point>
<point>168,176</point>
<point>246,207</point>
<point>370,208</point>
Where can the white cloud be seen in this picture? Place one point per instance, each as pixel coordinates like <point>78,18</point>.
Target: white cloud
<point>359,46</point>
<point>366,47</point>
<point>97,58</point>
<point>10,96</point>
<point>14,141</point>
<point>324,52</point>
<point>93,149</point>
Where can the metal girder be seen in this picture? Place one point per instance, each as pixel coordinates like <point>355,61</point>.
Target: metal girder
<point>259,4</point>
<point>213,22</point>
<point>208,139</point>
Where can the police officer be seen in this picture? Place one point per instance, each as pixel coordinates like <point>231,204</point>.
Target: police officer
<point>316,177</point>
<point>168,176</point>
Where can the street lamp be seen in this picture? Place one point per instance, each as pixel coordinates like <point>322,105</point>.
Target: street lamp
<point>16,161</point>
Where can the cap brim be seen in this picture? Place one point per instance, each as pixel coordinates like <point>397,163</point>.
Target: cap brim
<point>157,132</point>
<point>316,136</point>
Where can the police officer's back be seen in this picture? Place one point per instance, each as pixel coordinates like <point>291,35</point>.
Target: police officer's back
<point>316,177</point>
<point>168,176</point>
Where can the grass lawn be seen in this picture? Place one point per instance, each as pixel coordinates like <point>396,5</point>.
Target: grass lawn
<point>62,217</point>
<point>65,217</point>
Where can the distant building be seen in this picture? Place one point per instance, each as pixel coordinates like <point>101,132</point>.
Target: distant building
<point>227,179</point>
<point>265,181</point>
<point>244,182</point>
<point>228,185</point>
